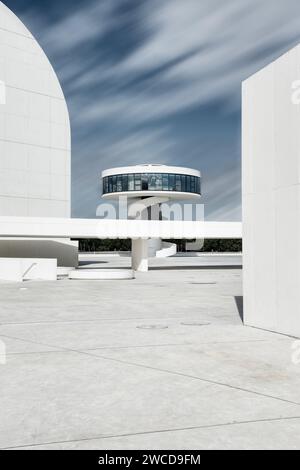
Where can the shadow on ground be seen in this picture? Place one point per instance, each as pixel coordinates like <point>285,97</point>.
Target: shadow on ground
<point>240,306</point>
<point>88,263</point>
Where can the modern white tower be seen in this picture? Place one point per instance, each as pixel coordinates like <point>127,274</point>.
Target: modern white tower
<point>147,187</point>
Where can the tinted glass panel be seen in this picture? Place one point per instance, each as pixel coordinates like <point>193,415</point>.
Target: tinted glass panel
<point>125,182</point>
<point>105,187</point>
<point>178,182</point>
<point>152,182</point>
<point>188,184</point>
<point>130,183</point>
<point>158,182</point>
<point>137,182</point>
<point>144,182</point>
<point>192,184</point>
<point>165,182</point>
<point>119,183</point>
<point>114,184</point>
<point>172,182</point>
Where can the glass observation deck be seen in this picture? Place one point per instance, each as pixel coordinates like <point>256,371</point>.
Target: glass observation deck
<point>152,182</point>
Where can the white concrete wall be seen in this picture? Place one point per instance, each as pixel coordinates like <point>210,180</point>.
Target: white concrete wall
<point>167,249</point>
<point>35,138</point>
<point>18,269</point>
<point>271,197</point>
<point>63,250</point>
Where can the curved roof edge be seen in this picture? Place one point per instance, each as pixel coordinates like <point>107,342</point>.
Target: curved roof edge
<point>150,168</point>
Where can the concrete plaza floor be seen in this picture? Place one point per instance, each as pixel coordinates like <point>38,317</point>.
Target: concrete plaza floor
<point>159,362</point>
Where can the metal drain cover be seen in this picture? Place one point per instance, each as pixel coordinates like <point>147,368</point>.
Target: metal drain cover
<point>152,327</point>
<point>194,324</point>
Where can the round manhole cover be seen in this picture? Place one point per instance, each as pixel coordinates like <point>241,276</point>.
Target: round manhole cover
<point>195,324</point>
<point>152,327</point>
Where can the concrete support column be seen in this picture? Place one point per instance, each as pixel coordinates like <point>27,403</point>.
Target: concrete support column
<point>139,253</point>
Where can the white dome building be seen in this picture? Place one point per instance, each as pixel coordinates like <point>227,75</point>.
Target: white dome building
<point>35,141</point>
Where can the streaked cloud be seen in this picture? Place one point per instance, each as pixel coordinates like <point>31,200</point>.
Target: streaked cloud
<point>159,81</point>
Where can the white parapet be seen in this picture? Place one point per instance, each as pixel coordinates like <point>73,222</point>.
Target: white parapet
<point>50,227</point>
<point>24,269</point>
<point>271,196</point>
<point>140,231</point>
<point>63,249</point>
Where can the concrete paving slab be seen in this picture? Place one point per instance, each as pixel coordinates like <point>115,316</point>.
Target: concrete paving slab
<point>263,366</point>
<point>71,396</point>
<point>283,434</point>
<point>57,301</point>
<point>145,332</point>
<point>16,346</point>
<point>118,382</point>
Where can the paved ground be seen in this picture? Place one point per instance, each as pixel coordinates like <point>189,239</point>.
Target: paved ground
<point>162,361</point>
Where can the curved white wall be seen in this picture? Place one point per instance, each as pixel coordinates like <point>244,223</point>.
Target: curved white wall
<point>167,249</point>
<point>35,142</point>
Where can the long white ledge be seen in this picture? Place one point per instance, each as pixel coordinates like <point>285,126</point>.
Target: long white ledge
<point>42,227</point>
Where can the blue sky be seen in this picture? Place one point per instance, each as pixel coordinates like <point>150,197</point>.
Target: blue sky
<point>158,81</point>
